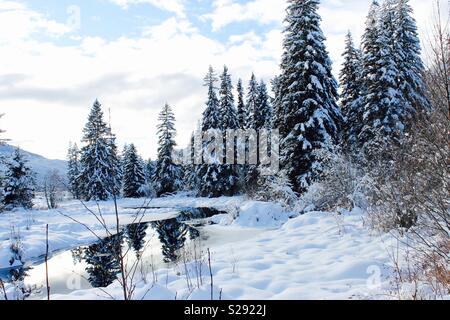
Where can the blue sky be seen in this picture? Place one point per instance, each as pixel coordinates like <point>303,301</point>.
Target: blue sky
<point>58,56</point>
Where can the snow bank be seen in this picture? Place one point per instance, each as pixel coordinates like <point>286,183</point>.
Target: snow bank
<point>257,214</point>
<point>143,291</point>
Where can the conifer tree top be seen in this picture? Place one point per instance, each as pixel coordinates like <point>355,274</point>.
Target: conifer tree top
<point>211,115</point>
<point>95,127</point>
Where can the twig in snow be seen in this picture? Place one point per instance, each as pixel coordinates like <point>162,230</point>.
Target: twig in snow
<point>46,262</point>
<point>3,289</point>
<point>211,275</point>
<point>80,223</point>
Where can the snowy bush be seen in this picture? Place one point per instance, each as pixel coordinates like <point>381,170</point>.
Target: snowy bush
<point>276,188</point>
<point>19,183</point>
<point>340,186</point>
<point>261,214</point>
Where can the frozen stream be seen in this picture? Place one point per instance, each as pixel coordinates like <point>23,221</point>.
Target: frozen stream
<point>160,244</point>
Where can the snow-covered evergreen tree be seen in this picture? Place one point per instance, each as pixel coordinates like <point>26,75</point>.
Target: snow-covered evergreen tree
<point>252,101</point>
<point>19,183</point>
<point>100,164</point>
<point>133,174</point>
<point>229,121</point>
<point>310,116</point>
<point>211,116</point>
<point>115,165</point>
<point>260,118</point>
<point>277,118</point>
<point>210,171</point>
<point>410,66</point>
<point>370,52</point>
<point>149,167</point>
<point>74,171</point>
<point>242,113</point>
<point>351,82</point>
<point>248,173</point>
<point>385,109</point>
<point>167,174</point>
<point>263,112</point>
<point>190,178</point>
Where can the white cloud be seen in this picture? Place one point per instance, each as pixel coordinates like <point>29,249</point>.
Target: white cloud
<point>47,89</point>
<point>175,6</point>
<point>18,22</point>
<point>229,11</point>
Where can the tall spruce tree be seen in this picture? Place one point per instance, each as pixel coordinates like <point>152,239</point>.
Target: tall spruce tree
<point>190,175</point>
<point>150,167</point>
<point>133,174</point>
<point>263,112</point>
<point>229,121</point>
<point>252,101</point>
<point>242,113</point>
<point>210,171</point>
<point>261,118</point>
<point>211,116</point>
<point>370,52</point>
<point>308,91</point>
<point>351,82</point>
<point>410,66</point>
<point>100,164</point>
<point>248,173</point>
<point>167,174</point>
<point>74,171</point>
<point>385,110</point>
<point>149,170</point>
<point>115,165</point>
<point>19,183</point>
<point>277,103</point>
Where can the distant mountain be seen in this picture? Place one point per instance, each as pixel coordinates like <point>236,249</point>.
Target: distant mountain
<point>39,164</point>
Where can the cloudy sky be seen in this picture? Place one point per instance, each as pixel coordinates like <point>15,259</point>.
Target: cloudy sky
<point>58,56</point>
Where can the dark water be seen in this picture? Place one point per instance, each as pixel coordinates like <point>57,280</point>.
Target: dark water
<point>154,244</point>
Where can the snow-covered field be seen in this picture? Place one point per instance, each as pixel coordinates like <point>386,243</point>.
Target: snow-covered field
<point>262,254</point>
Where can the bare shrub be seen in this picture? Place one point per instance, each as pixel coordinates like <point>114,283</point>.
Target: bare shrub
<point>53,188</point>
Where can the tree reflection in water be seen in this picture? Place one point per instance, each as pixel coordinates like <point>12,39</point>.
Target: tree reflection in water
<point>102,259</point>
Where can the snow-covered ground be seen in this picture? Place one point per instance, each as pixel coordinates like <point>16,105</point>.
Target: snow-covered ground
<point>262,254</point>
